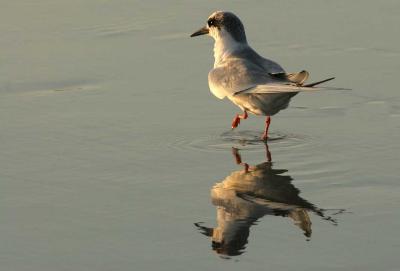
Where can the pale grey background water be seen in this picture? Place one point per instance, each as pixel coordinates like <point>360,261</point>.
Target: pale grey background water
<point>111,141</point>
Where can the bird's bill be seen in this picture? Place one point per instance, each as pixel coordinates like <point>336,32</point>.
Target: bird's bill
<point>202,31</point>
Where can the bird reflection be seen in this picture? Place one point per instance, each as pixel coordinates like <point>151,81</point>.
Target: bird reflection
<point>246,195</point>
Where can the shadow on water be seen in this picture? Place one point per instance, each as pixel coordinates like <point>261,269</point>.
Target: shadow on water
<point>247,195</point>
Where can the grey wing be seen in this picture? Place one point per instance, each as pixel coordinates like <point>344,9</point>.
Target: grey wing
<point>267,65</point>
<point>295,84</point>
<point>234,76</point>
<point>271,66</point>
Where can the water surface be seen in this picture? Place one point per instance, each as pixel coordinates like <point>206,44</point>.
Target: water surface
<point>113,148</point>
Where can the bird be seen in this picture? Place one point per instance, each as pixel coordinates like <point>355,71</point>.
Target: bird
<point>255,84</point>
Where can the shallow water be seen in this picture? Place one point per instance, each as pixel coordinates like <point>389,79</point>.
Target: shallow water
<point>113,147</point>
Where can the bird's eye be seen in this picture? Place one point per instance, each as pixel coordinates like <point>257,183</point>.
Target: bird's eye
<point>211,22</point>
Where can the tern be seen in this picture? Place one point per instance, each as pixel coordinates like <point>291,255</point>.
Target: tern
<point>257,85</point>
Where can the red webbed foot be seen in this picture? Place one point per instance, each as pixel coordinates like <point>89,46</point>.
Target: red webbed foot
<point>236,120</point>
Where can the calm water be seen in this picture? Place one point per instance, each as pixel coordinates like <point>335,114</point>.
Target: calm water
<point>115,155</point>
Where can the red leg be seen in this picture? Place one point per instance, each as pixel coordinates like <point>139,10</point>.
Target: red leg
<point>236,120</point>
<point>267,123</point>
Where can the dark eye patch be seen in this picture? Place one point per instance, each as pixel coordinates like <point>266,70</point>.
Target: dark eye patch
<point>211,22</point>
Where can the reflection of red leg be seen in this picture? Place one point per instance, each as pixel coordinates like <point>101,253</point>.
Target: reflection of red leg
<point>246,167</point>
<point>238,159</point>
<point>269,157</point>
<point>267,123</point>
<point>237,156</point>
<point>236,120</point>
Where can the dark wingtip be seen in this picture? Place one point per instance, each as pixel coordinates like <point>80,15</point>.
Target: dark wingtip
<point>319,82</point>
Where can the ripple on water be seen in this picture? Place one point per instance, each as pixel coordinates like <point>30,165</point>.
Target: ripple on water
<point>120,27</point>
<point>61,87</point>
<point>304,155</point>
<point>243,139</point>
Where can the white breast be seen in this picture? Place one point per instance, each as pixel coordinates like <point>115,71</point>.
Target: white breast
<point>217,89</point>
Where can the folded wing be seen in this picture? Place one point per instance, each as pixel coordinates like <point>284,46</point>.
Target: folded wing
<point>243,77</point>
<point>286,88</point>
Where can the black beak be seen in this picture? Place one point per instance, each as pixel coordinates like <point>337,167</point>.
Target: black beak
<point>201,31</point>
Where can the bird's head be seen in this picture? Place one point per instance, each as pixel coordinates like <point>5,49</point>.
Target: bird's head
<point>223,25</point>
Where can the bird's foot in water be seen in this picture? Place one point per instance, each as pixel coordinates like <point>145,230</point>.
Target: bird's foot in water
<point>264,136</point>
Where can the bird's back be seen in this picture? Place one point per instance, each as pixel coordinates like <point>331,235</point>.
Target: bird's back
<point>267,65</point>
<point>245,69</point>
<point>240,70</point>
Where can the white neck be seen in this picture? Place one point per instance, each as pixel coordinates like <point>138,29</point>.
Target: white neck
<point>225,46</point>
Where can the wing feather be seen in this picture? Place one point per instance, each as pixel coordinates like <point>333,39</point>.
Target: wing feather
<point>280,88</point>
